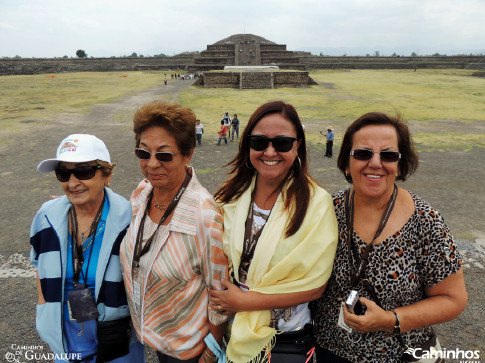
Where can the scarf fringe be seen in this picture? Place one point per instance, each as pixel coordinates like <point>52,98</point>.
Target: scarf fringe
<point>260,358</point>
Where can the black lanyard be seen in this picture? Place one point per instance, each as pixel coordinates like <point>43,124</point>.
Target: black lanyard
<point>139,251</point>
<point>250,240</point>
<point>361,262</point>
<point>77,250</point>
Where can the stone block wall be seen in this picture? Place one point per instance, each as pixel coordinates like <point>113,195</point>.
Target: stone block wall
<point>279,47</point>
<point>12,66</point>
<point>221,80</point>
<point>59,65</point>
<point>217,53</point>
<point>438,62</point>
<point>255,80</point>
<point>227,47</point>
<point>291,79</point>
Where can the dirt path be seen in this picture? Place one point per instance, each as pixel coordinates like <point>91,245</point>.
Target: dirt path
<point>450,181</point>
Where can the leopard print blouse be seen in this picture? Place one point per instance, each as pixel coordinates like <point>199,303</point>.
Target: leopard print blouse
<point>419,255</point>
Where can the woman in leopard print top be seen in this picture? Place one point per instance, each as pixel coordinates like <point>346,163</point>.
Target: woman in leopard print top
<point>413,266</point>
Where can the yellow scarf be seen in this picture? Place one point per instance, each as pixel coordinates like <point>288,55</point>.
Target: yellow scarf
<point>280,265</point>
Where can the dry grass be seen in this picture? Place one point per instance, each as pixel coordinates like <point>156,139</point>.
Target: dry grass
<point>38,97</point>
<point>424,98</point>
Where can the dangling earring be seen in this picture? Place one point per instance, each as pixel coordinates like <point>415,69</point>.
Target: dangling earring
<point>347,172</point>
<point>107,184</point>
<point>249,166</point>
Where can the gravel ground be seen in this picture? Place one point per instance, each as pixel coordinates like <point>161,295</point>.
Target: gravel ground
<point>450,181</point>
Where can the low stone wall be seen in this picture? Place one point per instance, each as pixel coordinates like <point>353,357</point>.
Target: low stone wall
<point>59,65</point>
<point>255,80</point>
<point>220,80</point>
<point>438,62</point>
<point>13,66</point>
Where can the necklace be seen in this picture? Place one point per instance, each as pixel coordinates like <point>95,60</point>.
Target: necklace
<point>85,243</point>
<point>82,234</point>
<point>158,205</point>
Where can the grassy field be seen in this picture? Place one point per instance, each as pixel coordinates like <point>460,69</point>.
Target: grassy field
<point>38,97</point>
<point>445,108</point>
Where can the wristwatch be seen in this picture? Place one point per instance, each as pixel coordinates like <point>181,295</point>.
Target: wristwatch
<point>397,326</point>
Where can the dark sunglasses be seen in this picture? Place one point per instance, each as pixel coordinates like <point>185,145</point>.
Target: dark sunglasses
<point>143,154</point>
<point>367,154</point>
<point>281,144</point>
<point>81,172</point>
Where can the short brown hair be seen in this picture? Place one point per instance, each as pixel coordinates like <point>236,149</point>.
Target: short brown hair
<point>176,119</point>
<point>409,158</point>
<point>106,168</point>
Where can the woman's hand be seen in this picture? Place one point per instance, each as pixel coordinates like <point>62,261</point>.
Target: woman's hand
<point>374,319</point>
<point>230,300</point>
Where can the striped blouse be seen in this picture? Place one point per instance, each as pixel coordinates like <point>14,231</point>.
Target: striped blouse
<point>185,259</point>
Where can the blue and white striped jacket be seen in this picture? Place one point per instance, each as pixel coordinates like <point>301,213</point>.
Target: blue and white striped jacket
<point>48,237</point>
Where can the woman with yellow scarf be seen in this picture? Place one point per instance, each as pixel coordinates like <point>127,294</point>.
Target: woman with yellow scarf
<point>280,236</point>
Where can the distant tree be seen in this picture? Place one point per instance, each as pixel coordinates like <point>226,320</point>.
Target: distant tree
<point>413,54</point>
<point>65,56</point>
<point>18,57</point>
<point>161,55</point>
<point>321,54</point>
<point>394,54</point>
<point>367,55</point>
<point>134,55</point>
<point>81,54</point>
<point>377,54</point>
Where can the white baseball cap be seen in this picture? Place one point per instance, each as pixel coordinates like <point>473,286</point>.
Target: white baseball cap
<point>77,148</point>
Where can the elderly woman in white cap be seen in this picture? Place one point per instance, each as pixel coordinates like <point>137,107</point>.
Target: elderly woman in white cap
<point>82,311</point>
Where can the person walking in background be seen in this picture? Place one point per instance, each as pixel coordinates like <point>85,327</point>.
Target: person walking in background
<point>199,130</point>
<point>329,141</point>
<point>82,309</point>
<point>227,122</point>
<point>172,252</point>
<point>222,133</point>
<point>235,127</point>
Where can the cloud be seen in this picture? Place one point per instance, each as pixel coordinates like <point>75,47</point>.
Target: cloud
<point>59,27</point>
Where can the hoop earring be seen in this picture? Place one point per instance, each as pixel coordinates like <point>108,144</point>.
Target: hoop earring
<point>299,162</point>
<point>107,184</point>
<point>249,166</point>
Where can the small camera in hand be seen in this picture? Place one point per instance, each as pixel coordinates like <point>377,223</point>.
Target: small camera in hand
<point>353,303</point>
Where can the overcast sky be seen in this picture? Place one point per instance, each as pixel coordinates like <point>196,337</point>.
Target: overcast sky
<point>104,28</point>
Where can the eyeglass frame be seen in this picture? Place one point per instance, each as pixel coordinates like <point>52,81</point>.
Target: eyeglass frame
<point>352,153</point>
<point>269,139</point>
<point>75,171</point>
<point>156,155</point>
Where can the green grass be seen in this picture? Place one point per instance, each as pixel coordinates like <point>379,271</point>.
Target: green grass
<point>427,99</point>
